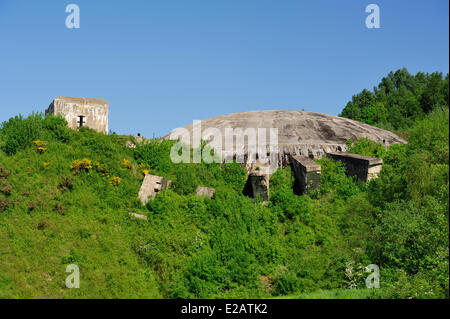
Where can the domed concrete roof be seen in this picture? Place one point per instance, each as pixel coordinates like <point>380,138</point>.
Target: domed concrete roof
<point>301,132</point>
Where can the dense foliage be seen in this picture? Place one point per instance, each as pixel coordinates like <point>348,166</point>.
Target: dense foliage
<point>399,99</point>
<point>65,198</point>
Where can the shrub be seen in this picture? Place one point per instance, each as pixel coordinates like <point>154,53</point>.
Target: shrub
<point>31,206</point>
<point>234,175</point>
<point>102,169</point>
<point>4,204</point>
<point>431,135</point>
<point>115,181</point>
<point>59,209</point>
<point>411,236</point>
<point>285,283</point>
<point>66,183</point>
<point>56,128</point>
<point>42,225</point>
<point>144,168</point>
<point>126,164</point>
<point>282,178</point>
<point>81,165</point>
<point>186,180</point>
<point>286,202</point>
<point>6,188</point>
<point>19,132</point>
<point>4,173</point>
<point>334,179</point>
<point>40,146</point>
<point>367,147</point>
<point>156,154</point>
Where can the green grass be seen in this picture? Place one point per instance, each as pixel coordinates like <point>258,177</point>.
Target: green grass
<point>94,230</point>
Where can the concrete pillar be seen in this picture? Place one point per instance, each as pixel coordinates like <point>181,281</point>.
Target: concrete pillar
<point>151,185</point>
<point>363,167</point>
<point>307,173</point>
<point>258,184</point>
<point>258,180</point>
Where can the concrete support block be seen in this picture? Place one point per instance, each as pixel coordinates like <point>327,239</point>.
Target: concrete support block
<point>151,185</point>
<point>205,191</point>
<point>363,167</point>
<point>307,173</point>
<point>139,216</point>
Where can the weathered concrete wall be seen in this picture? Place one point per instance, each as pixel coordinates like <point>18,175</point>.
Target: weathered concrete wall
<point>94,111</point>
<point>151,185</point>
<point>307,173</point>
<point>205,191</point>
<point>363,167</point>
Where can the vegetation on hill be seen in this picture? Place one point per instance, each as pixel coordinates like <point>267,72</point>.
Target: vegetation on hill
<point>399,99</point>
<point>65,198</point>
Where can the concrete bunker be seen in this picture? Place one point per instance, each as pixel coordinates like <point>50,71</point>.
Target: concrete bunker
<point>80,112</point>
<point>363,167</point>
<point>300,133</point>
<point>307,174</point>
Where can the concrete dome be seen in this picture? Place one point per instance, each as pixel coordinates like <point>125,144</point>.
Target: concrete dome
<point>301,132</point>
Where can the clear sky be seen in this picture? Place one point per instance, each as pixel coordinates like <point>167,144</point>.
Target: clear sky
<point>162,64</point>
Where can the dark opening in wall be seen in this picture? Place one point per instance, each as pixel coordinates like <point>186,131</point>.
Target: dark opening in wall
<point>81,120</point>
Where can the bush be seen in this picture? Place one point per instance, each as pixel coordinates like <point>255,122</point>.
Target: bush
<point>431,135</point>
<point>155,153</point>
<point>84,165</point>
<point>286,283</point>
<point>4,204</point>
<point>56,128</point>
<point>40,146</point>
<point>4,173</point>
<point>412,237</point>
<point>5,187</point>
<point>290,205</point>
<point>334,179</point>
<point>367,147</point>
<point>234,175</point>
<point>115,181</point>
<point>19,133</point>
<point>186,180</point>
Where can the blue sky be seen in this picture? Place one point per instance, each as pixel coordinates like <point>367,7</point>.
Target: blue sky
<point>162,64</point>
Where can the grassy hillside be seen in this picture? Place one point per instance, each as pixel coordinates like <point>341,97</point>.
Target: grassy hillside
<point>65,198</point>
